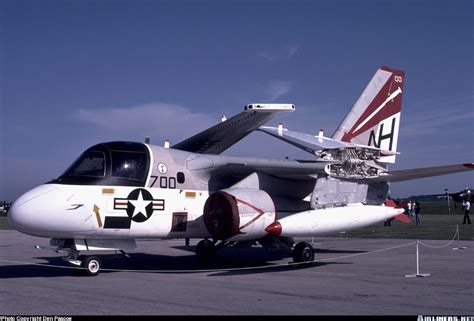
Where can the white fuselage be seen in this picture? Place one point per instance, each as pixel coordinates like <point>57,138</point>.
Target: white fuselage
<point>123,190</point>
<point>74,211</point>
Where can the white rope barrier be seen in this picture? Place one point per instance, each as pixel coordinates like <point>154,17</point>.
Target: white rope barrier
<point>441,246</point>
<point>366,253</point>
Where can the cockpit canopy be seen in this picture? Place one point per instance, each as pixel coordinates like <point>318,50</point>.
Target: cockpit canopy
<point>114,163</point>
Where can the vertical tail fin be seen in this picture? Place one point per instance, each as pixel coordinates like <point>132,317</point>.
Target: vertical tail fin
<point>374,119</point>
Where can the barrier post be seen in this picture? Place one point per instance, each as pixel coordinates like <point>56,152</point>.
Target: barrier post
<point>459,247</point>
<point>418,274</point>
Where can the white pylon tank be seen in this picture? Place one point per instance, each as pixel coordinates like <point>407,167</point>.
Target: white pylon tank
<point>331,220</point>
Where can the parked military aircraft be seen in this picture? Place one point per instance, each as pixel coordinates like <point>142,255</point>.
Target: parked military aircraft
<point>117,192</point>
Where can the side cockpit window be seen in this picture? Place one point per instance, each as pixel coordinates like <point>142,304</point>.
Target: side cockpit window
<point>129,165</point>
<point>91,164</point>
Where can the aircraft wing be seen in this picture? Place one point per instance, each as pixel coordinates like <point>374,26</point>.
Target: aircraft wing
<point>304,141</point>
<point>311,143</point>
<point>220,137</point>
<point>243,166</point>
<point>298,170</point>
<point>408,174</point>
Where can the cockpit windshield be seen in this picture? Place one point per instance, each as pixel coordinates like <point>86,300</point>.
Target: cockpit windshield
<point>116,163</point>
<point>91,164</point>
<point>129,165</point>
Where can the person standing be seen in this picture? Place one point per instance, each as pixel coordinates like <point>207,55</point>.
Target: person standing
<point>466,206</point>
<point>416,207</point>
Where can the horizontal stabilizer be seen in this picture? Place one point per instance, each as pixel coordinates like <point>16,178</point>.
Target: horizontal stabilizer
<point>408,174</point>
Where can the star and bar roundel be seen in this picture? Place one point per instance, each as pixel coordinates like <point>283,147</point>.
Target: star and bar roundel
<point>139,206</point>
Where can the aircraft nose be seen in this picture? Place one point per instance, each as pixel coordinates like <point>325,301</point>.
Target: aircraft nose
<point>21,215</point>
<point>43,212</point>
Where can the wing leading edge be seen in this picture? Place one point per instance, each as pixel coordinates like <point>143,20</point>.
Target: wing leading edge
<point>220,137</point>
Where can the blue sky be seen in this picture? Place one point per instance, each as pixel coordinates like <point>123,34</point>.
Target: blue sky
<point>75,73</point>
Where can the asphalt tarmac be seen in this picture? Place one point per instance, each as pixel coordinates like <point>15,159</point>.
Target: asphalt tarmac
<point>350,277</point>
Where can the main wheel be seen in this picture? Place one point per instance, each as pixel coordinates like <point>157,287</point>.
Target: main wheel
<point>205,249</point>
<point>303,252</point>
<point>92,265</point>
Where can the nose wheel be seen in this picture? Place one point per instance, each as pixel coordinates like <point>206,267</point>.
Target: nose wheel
<point>92,265</point>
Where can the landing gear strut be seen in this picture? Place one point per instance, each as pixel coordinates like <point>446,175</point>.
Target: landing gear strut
<point>303,252</point>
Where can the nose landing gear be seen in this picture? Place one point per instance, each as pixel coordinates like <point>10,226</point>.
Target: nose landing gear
<point>92,265</point>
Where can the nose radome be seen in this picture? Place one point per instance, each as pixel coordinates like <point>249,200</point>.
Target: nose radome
<point>45,211</point>
<point>20,215</point>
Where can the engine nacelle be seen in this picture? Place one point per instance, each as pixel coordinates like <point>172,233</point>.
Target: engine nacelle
<point>238,214</point>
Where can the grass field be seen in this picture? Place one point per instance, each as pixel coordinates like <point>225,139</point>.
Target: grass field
<point>438,222</point>
<point>4,223</point>
<point>433,227</point>
<point>440,208</point>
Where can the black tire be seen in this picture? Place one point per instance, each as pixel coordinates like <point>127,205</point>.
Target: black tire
<point>303,252</point>
<point>205,249</point>
<point>92,265</point>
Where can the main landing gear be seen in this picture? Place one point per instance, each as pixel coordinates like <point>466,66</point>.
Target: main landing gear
<point>303,252</point>
<point>206,249</point>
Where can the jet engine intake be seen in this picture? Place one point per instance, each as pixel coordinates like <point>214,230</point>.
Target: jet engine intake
<point>238,214</point>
